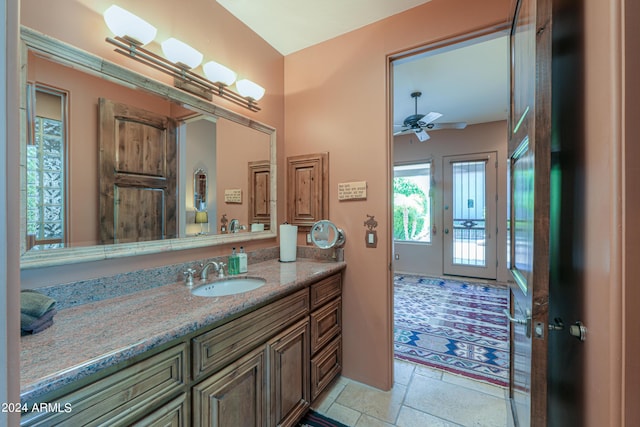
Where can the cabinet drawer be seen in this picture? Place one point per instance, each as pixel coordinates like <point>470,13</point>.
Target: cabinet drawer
<point>326,324</point>
<point>325,290</point>
<point>224,344</point>
<point>325,366</point>
<point>121,398</point>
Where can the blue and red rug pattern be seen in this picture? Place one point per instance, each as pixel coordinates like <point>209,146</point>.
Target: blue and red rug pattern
<point>453,325</point>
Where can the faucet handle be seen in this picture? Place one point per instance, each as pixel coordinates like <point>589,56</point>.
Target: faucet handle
<point>221,266</point>
<point>188,276</point>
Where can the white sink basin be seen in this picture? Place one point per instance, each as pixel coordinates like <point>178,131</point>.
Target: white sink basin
<point>228,286</point>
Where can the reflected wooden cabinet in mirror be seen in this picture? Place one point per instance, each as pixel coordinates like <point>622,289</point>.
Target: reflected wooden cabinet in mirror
<point>108,157</point>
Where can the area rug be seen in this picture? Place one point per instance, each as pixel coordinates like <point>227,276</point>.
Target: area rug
<point>455,326</point>
<point>314,419</point>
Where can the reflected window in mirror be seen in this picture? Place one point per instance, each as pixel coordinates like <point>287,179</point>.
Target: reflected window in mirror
<point>46,168</point>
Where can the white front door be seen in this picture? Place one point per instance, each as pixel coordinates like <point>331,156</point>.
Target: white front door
<point>470,205</point>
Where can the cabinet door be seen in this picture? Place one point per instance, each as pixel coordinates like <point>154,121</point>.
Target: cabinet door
<point>307,189</point>
<point>173,414</point>
<point>289,374</point>
<point>233,396</point>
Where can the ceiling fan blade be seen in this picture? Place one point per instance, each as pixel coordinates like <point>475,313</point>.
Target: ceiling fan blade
<point>402,132</point>
<point>428,118</point>
<point>452,125</point>
<point>422,135</point>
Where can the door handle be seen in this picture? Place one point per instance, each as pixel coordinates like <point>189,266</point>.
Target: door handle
<point>577,330</point>
<point>526,321</point>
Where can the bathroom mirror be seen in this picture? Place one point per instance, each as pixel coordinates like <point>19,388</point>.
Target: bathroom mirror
<point>326,235</point>
<point>71,181</point>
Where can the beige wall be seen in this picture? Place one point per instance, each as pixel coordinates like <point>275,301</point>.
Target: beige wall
<point>336,101</point>
<point>481,138</point>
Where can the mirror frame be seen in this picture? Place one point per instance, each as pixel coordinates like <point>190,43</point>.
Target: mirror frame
<point>65,54</point>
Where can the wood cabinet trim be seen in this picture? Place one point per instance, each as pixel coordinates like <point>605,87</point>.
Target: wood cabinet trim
<point>326,323</point>
<point>218,347</point>
<point>325,366</point>
<point>289,365</point>
<point>123,396</point>
<point>307,189</point>
<point>217,392</point>
<point>325,290</point>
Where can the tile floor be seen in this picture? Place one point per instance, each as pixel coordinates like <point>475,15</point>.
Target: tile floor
<point>421,397</point>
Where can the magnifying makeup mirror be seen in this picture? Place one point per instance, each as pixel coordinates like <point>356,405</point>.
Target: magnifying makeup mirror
<point>325,235</point>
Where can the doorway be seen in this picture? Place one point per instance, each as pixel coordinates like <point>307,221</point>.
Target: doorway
<point>471,121</point>
<point>457,230</point>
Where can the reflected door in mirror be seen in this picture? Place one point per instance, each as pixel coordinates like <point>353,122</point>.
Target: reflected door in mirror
<point>259,193</point>
<point>137,174</point>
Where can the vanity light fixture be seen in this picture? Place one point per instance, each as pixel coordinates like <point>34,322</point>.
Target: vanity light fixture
<point>219,73</point>
<point>182,58</point>
<point>129,26</point>
<point>181,53</point>
<point>249,89</point>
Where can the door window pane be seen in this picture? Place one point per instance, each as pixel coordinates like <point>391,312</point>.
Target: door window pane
<point>469,213</point>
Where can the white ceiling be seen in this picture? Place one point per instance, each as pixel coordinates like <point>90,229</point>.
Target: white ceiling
<point>291,25</point>
<point>468,83</point>
<point>465,84</point>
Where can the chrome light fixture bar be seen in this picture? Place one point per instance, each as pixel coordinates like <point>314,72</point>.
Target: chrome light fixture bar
<point>184,78</point>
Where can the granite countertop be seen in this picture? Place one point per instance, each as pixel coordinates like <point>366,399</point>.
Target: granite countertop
<point>90,337</point>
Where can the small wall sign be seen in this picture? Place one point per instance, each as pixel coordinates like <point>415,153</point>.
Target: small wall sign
<point>352,190</point>
<point>233,196</point>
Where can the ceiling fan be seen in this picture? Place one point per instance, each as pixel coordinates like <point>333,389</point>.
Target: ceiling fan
<point>417,123</point>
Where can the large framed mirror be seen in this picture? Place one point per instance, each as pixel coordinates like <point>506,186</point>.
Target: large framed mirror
<point>109,157</point>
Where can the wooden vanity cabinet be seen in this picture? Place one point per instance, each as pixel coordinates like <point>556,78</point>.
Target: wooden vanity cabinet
<point>263,368</point>
<point>153,389</point>
<point>255,367</point>
<point>326,332</point>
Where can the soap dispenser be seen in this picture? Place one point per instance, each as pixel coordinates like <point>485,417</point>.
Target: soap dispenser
<point>242,261</point>
<point>233,262</point>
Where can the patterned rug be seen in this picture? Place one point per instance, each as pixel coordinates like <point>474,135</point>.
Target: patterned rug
<point>452,325</point>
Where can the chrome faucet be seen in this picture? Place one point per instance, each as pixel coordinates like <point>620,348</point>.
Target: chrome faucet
<point>217,266</point>
<point>234,226</point>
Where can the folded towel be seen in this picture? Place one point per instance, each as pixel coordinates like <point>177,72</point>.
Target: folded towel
<point>40,328</point>
<point>30,323</point>
<point>34,303</point>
